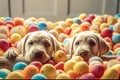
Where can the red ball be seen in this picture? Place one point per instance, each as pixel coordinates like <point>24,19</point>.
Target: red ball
<point>33,28</point>
<point>88,20</point>
<point>68,30</point>
<point>18,21</point>
<point>4,44</point>
<point>91,16</point>
<point>106,32</point>
<point>60,66</point>
<point>51,62</point>
<point>37,64</point>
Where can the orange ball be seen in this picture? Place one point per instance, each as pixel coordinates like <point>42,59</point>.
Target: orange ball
<point>84,27</point>
<point>29,71</point>
<point>116,46</point>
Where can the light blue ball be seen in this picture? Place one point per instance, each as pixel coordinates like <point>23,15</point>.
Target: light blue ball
<point>66,40</point>
<point>39,77</point>
<point>76,20</point>
<point>42,25</point>
<point>117,16</point>
<point>19,66</point>
<point>110,52</point>
<point>116,38</point>
<point>7,19</point>
<point>118,53</point>
<point>111,27</point>
<point>3,74</point>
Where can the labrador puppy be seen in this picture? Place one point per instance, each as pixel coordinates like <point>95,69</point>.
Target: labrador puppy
<point>86,44</point>
<point>36,46</point>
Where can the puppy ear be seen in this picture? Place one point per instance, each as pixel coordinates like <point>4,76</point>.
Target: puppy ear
<point>69,46</point>
<point>56,44</point>
<point>21,44</point>
<point>104,48</point>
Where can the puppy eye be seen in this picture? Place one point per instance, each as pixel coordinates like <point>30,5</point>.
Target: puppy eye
<point>30,43</point>
<point>91,43</point>
<point>46,44</point>
<point>77,43</point>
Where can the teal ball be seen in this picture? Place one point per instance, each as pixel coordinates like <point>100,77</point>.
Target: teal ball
<point>116,38</point>
<point>76,20</point>
<point>117,16</point>
<point>19,66</point>
<point>42,25</point>
<point>3,74</point>
<point>110,52</point>
<point>39,77</point>
<point>111,27</point>
<point>7,19</point>
<point>118,53</point>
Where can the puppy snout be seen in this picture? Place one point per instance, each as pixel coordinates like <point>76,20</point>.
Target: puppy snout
<point>84,53</point>
<point>38,53</point>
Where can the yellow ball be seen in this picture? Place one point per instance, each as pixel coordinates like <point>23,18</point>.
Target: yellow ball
<point>116,50</point>
<point>69,22</point>
<point>15,75</point>
<point>82,16</point>
<point>15,37</point>
<point>81,68</point>
<point>69,65</point>
<point>48,70</point>
<point>1,52</point>
<point>104,25</point>
<point>62,76</point>
<point>59,56</point>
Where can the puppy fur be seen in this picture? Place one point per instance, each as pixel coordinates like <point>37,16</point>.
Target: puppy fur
<point>86,44</point>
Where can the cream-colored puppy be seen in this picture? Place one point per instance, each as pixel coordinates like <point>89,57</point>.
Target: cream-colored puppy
<point>86,44</point>
<point>36,46</point>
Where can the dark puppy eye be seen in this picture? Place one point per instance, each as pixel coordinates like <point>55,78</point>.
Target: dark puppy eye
<point>92,43</point>
<point>30,43</point>
<point>77,43</point>
<point>47,44</point>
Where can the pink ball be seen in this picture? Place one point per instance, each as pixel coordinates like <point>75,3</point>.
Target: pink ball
<point>4,44</point>
<point>106,32</point>
<point>33,28</point>
<point>37,64</point>
<point>87,76</point>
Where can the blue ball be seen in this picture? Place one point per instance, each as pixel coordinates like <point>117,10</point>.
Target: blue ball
<point>116,38</point>
<point>7,19</point>
<point>76,20</point>
<point>42,25</point>
<point>117,16</point>
<point>39,77</point>
<point>110,52</point>
<point>3,74</point>
<point>111,27</point>
<point>19,66</point>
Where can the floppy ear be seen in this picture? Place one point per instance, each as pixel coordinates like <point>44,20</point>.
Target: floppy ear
<point>103,47</point>
<point>69,46</point>
<point>21,44</point>
<point>56,44</point>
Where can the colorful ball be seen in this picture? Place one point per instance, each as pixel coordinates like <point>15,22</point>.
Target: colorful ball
<point>76,20</point>
<point>48,70</point>
<point>42,25</point>
<point>106,32</point>
<point>4,44</point>
<point>32,28</point>
<point>29,71</point>
<point>62,76</point>
<point>39,77</point>
<point>19,66</point>
<point>116,38</point>
<point>37,64</point>
<point>3,74</point>
<point>15,38</point>
<point>87,76</point>
<point>116,28</point>
<point>15,75</point>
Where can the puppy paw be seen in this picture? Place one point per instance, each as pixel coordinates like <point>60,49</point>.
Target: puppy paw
<point>11,54</point>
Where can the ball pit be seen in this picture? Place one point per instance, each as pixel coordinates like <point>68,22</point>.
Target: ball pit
<point>12,30</point>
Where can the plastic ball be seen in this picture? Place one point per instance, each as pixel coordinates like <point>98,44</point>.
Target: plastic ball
<point>116,50</point>
<point>106,32</point>
<point>60,66</point>
<point>42,25</point>
<point>116,28</point>
<point>59,56</point>
<point>4,44</point>
<point>4,30</point>
<point>82,16</point>
<point>76,20</point>
<point>116,38</point>
<point>87,76</point>
<point>29,71</point>
<point>95,58</point>
<point>37,64</point>
<point>111,27</point>
<point>69,22</point>
<point>15,75</point>
<point>62,76</point>
<point>84,27</point>
<point>7,19</point>
<point>18,29</point>
<point>68,30</point>
<point>59,29</point>
<point>15,37</point>
<point>112,62</point>
<point>48,70</point>
<point>110,52</point>
<point>117,16</point>
<point>32,28</point>
<point>3,74</point>
<point>103,25</point>
<point>18,21</point>
<point>62,37</point>
<point>116,46</point>
<point>1,52</point>
<point>81,68</point>
<point>19,66</point>
<point>39,77</point>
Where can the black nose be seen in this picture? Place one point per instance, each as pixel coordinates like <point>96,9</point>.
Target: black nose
<point>38,53</point>
<point>85,53</point>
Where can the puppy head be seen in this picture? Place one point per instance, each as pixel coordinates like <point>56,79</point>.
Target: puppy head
<point>39,46</point>
<point>86,44</point>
